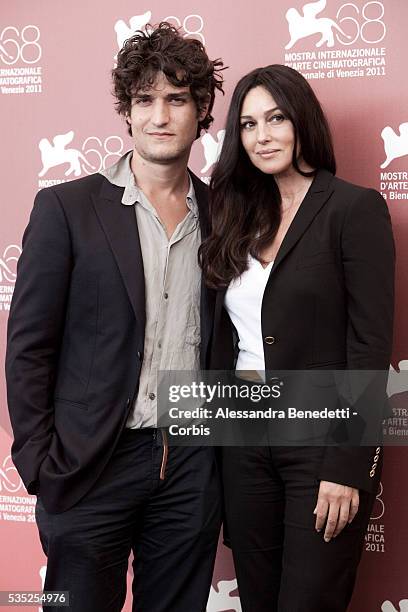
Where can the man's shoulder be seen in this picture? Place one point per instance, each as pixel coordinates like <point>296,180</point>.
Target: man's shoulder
<point>81,187</point>
<point>200,189</point>
<point>197,182</point>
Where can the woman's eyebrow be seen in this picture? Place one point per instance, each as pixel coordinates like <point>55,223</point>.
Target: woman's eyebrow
<point>271,110</point>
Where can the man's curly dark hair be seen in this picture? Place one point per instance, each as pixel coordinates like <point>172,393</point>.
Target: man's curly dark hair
<point>183,61</point>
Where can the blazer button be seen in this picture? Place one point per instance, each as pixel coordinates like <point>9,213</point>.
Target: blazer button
<point>269,340</point>
<point>376,459</point>
<point>139,354</point>
<point>373,467</point>
<point>377,450</point>
<point>372,473</point>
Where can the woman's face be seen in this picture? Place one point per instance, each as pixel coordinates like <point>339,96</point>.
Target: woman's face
<point>267,135</point>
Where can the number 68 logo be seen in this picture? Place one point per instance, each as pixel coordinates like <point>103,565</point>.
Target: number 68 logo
<point>16,45</point>
<point>372,14</point>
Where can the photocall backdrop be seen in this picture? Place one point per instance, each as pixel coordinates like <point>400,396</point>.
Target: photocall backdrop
<point>58,124</point>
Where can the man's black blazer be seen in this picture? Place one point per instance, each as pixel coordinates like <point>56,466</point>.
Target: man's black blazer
<point>76,335</point>
<point>329,301</point>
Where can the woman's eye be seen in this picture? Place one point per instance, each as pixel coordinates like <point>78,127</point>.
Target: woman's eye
<point>277,118</point>
<point>247,125</point>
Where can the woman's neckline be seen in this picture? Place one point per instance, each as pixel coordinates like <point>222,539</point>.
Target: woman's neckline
<point>270,263</point>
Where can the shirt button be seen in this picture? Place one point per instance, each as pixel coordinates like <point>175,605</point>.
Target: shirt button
<point>269,340</point>
<point>166,296</point>
<point>152,396</point>
<point>159,344</point>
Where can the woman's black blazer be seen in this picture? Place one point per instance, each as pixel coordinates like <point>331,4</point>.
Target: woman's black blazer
<point>329,301</point>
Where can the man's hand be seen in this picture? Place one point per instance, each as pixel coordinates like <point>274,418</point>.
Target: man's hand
<point>336,503</point>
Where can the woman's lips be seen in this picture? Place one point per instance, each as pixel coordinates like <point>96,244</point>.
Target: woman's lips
<point>267,153</point>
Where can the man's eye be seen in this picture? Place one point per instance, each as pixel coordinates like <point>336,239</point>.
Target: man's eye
<point>142,101</point>
<point>177,101</point>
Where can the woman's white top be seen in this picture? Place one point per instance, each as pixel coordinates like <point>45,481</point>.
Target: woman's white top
<point>243,302</point>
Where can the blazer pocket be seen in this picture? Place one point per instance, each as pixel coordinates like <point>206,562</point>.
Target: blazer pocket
<point>71,418</point>
<point>75,404</point>
<point>318,259</point>
<point>327,365</point>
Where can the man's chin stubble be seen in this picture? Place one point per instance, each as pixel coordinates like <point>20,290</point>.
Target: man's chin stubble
<point>165,158</point>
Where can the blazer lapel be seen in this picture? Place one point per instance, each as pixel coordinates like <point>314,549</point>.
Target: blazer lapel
<point>219,303</point>
<point>207,299</point>
<point>318,194</point>
<point>201,192</point>
<point>120,227</point>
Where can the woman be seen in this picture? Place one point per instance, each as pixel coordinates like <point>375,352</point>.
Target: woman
<point>303,265</point>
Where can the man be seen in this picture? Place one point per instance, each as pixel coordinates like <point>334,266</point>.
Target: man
<point>107,294</point>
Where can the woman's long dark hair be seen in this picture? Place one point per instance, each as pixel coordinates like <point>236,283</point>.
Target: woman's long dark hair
<point>245,203</point>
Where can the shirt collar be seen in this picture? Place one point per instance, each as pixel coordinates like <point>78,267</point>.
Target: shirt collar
<point>121,174</point>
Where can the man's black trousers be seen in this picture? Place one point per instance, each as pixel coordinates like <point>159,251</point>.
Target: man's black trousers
<point>170,524</point>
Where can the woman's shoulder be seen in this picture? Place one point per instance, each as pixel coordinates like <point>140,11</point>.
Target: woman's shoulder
<point>352,189</point>
<point>348,195</point>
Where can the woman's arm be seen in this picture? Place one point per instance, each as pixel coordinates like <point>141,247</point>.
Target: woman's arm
<point>368,262</point>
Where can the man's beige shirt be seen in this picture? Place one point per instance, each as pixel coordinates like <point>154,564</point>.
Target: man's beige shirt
<point>172,285</point>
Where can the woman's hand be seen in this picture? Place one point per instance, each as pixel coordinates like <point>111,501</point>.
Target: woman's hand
<point>336,503</point>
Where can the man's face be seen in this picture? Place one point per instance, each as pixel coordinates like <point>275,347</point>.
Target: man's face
<point>164,121</point>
